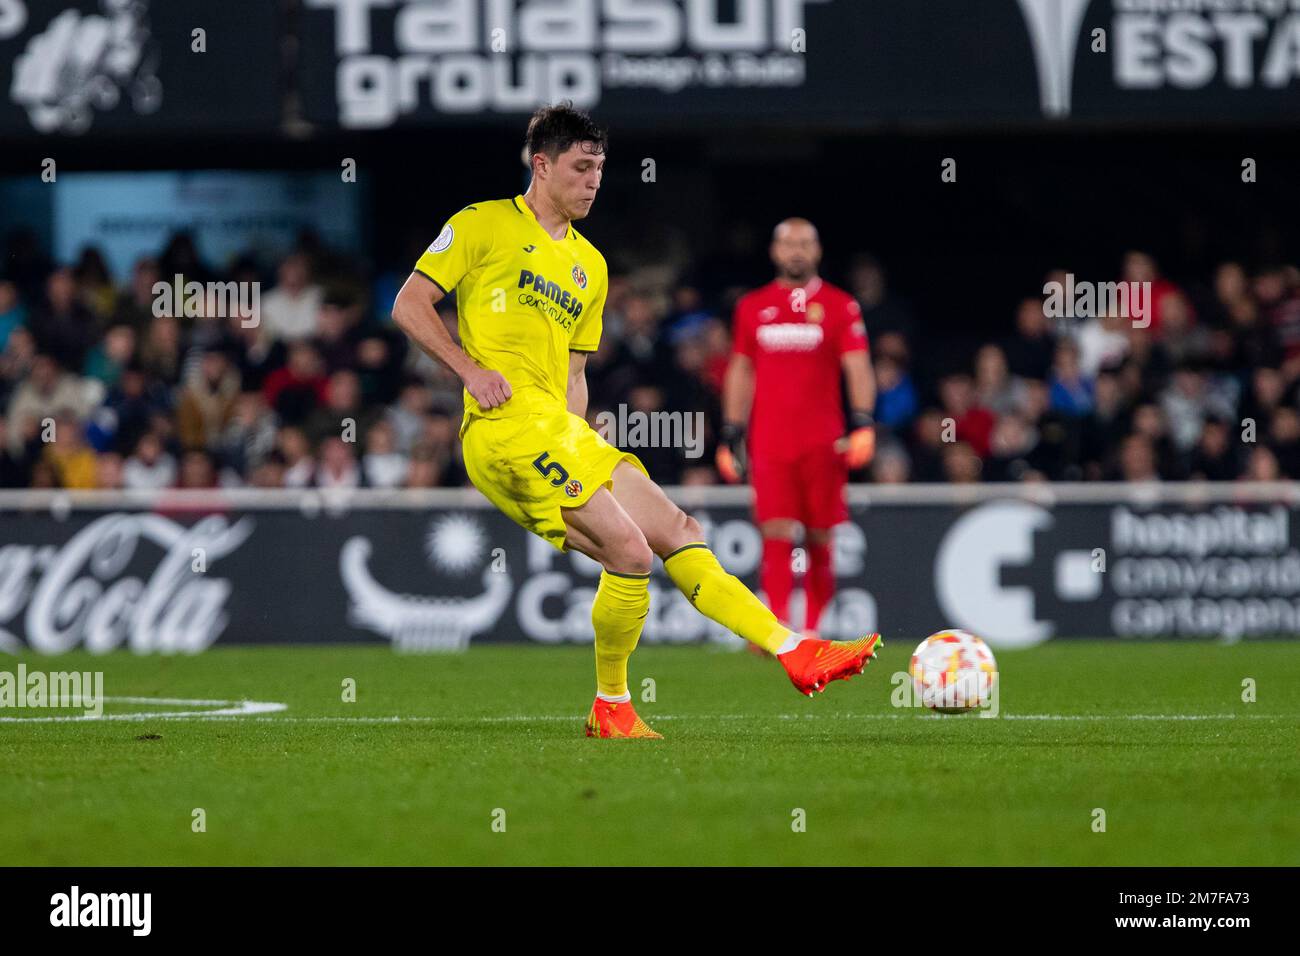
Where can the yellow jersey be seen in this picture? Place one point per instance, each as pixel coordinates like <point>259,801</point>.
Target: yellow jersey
<point>523,300</point>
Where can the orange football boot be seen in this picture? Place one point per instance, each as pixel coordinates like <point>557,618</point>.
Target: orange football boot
<point>617,720</point>
<point>815,662</point>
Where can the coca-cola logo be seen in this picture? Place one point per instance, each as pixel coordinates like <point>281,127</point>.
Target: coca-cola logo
<point>80,594</point>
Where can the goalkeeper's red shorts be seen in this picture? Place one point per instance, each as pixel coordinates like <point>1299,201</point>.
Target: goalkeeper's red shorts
<point>809,488</point>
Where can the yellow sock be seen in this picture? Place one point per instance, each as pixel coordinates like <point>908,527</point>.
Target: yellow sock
<point>723,597</point>
<point>621,605</point>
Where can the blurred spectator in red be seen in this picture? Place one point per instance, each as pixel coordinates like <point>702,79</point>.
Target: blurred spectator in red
<point>295,390</point>
<point>1141,266</point>
<point>974,425</point>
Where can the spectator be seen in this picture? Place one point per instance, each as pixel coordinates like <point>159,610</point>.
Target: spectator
<point>344,414</point>
<point>1137,460</point>
<point>150,467</point>
<point>160,353</point>
<point>1141,267</point>
<point>973,424</point>
<point>68,454</point>
<point>1214,458</point>
<point>896,401</point>
<point>13,314</point>
<point>1071,390</point>
<point>289,310</point>
<point>207,403</point>
<point>295,390</point>
<point>1261,465</point>
<point>295,450</point>
<point>109,471</point>
<point>961,464</point>
<point>198,470</point>
<point>1029,351</point>
<point>47,390</point>
<point>995,387</point>
<point>338,465</point>
<point>891,465</point>
<point>383,466</point>
<point>135,305</point>
<point>250,436</point>
<point>882,311</point>
<point>108,359</point>
<point>1284,440</point>
<point>63,326</point>
<point>1103,343</point>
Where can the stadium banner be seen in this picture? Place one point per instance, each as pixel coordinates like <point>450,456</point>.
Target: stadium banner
<point>76,67</point>
<point>370,64</point>
<point>438,571</point>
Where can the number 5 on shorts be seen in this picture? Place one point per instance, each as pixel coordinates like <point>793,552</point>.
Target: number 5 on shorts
<point>548,468</point>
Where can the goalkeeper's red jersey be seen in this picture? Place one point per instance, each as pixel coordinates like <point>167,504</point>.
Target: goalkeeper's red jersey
<point>796,336</point>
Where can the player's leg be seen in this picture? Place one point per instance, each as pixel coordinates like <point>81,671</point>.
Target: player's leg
<point>819,579</point>
<point>776,509</point>
<point>777,574</point>
<point>678,538</point>
<point>603,531</point>
<point>823,477</point>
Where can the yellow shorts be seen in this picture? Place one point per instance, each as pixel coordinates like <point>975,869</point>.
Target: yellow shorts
<point>530,466</point>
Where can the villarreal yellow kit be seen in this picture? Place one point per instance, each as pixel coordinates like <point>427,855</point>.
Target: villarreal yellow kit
<point>524,301</point>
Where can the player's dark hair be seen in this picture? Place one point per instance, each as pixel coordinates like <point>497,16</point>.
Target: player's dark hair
<point>553,129</point>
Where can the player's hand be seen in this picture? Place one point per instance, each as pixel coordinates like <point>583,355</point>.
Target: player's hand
<point>487,387</point>
<point>859,446</point>
<point>733,460</point>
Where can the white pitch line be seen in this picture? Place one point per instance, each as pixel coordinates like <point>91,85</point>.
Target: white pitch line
<point>256,710</point>
<point>541,718</point>
<point>227,709</point>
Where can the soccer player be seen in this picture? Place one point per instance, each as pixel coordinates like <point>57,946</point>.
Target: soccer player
<point>791,339</point>
<point>530,292</point>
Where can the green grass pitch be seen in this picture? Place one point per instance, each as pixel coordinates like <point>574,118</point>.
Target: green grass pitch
<point>498,729</point>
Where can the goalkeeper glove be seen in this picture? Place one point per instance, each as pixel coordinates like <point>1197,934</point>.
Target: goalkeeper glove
<point>733,461</point>
<point>859,446</point>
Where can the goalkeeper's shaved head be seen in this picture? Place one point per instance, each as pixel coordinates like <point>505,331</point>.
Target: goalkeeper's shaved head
<point>796,250</point>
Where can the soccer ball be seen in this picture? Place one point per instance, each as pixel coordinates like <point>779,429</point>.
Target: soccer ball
<point>953,672</point>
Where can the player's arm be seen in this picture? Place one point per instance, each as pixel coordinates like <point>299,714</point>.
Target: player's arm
<point>415,313</point>
<point>737,402</point>
<point>860,444</point>
<point>577,393</point>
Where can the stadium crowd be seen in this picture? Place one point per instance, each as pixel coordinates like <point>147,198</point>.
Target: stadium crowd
<point>104,389</point>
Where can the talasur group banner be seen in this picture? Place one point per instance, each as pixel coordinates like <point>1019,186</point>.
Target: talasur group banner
<point>369,64</point>
<point>179,576</point>
<point>76,67</point>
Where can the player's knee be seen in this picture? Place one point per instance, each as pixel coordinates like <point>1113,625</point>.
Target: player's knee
<point>631,554</point>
